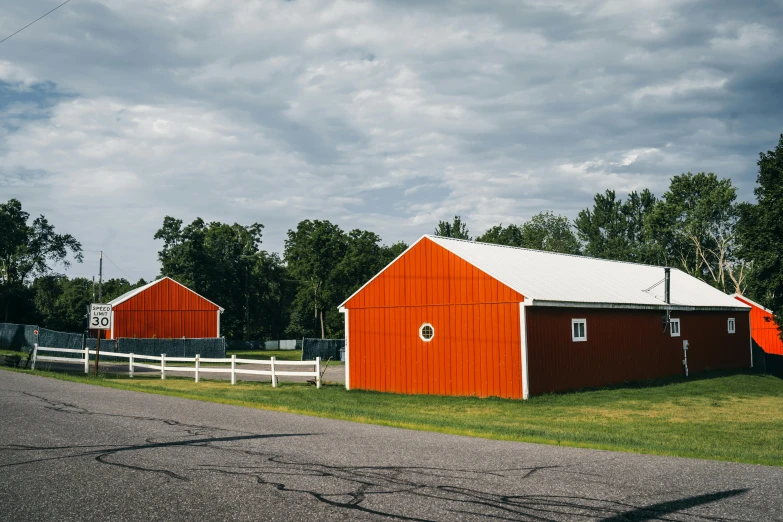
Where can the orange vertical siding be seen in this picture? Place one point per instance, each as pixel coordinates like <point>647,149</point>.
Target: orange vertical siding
<point>764,329</point>
<point>476,349</point>
<point>164,311</point>
<point>416,279</point>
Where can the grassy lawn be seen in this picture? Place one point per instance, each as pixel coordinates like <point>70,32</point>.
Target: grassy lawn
<point>731,417</point>
<point>13,352</point>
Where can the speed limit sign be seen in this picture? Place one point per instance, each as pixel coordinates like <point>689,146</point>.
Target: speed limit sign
<point>100,317</point>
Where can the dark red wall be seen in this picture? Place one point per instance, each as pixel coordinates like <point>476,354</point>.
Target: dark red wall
<point>628,345</point>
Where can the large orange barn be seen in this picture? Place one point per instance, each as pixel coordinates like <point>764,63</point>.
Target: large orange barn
<point>452,317</point>
<point>164,309</point>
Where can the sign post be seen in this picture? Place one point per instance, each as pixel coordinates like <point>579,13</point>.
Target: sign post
<point>100,319</point>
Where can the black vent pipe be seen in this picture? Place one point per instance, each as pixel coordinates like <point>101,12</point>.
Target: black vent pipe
<point>667,286</point>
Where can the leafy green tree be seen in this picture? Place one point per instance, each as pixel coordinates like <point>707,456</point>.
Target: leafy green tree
<point>224,263</point>
<point>313,252</point>
<point>328,265</point>
<point>760,231</point>
<point>394,250</point>
<point>364,257</point>
<point>694,229</point>
<point>61,302</point>
<point>545,231</point>
<point>550,232</point>
<point>614,229</point>
<point>510,235</point>
<point>115,287</point>
<point>28,251</point>
<point>456,229</point>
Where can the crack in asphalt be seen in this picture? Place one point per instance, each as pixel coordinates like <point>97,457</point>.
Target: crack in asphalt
<point>362,489</point>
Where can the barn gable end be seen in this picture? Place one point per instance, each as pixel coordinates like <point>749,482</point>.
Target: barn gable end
<point>164,309</point>
<point>165,294</point>
<point>428,274</point>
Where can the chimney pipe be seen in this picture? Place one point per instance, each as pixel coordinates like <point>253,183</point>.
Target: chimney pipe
<point>668,294</point>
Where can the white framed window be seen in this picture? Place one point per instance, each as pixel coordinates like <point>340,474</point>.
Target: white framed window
<point>732,325</point>
<point>426,332</point>
<point>578,330</point>
<point>674,327</point>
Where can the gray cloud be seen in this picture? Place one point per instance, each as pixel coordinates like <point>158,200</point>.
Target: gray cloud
<point>380,115</point>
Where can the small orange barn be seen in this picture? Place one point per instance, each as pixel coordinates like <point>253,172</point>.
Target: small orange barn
<point>453,317</point>
<point>164,309</point>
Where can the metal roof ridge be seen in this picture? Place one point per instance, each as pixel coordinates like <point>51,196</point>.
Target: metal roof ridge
<point>578,256</point>
<point>136,291</point>
<point>741,297</point>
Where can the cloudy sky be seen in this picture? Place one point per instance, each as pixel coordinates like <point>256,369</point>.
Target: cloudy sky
<point>387,116</point>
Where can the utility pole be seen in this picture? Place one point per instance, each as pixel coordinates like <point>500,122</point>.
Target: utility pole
<point>100,278</point>
<point>100,298</point>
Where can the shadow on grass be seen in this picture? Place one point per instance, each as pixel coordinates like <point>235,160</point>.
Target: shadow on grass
<point>655,384</point>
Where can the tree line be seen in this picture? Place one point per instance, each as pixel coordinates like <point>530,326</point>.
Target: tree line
<point>697,225</point>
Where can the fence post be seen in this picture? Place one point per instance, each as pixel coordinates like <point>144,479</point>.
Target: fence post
<point>318,372</point>
<point>197,366</point>
<point>35,355</point>
<point>274,377</point>
<point>86,360</point>
<point>130,366</point>
<point>233,368</point>
<point>163,366</point>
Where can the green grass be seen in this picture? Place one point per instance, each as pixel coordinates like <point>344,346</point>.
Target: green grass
<point>281,355</point>
<point>13,352</point>
<point>731,417</point>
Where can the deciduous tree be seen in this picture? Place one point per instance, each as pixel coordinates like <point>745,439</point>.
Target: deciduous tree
<point>760,231</point>
<point>456,229</point>
<point>614,229</point>
<point>694,229</point>
<point>545,231</point>
<point>28,251</point>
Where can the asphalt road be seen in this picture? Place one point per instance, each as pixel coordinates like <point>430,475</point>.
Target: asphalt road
<point>78,452</point>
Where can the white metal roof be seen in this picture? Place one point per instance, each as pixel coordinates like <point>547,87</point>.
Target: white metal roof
<point>550,279</point>
<point>136,291</point>
<point>754,303</point>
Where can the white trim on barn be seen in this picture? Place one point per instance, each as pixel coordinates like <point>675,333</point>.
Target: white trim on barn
<point>347,351</point>
<point>136,291</point>
<point>578,336</point>
<point>754,303</point>
<point>218,322</point>
<point>382,271</point>
<point>523,339</point>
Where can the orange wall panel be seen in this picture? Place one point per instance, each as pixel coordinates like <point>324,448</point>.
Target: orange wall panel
<point>764,329</point>
<point>428,274</point>
<point>387,354</point>
<point>476,349</point>
<point>164,311</point>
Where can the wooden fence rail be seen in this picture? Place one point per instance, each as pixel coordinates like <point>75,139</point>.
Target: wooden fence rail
<point>133,362</point>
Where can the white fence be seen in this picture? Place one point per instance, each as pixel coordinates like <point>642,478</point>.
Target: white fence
<point>197,369</point>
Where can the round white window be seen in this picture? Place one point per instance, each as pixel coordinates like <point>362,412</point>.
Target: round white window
<point>426,332</point>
